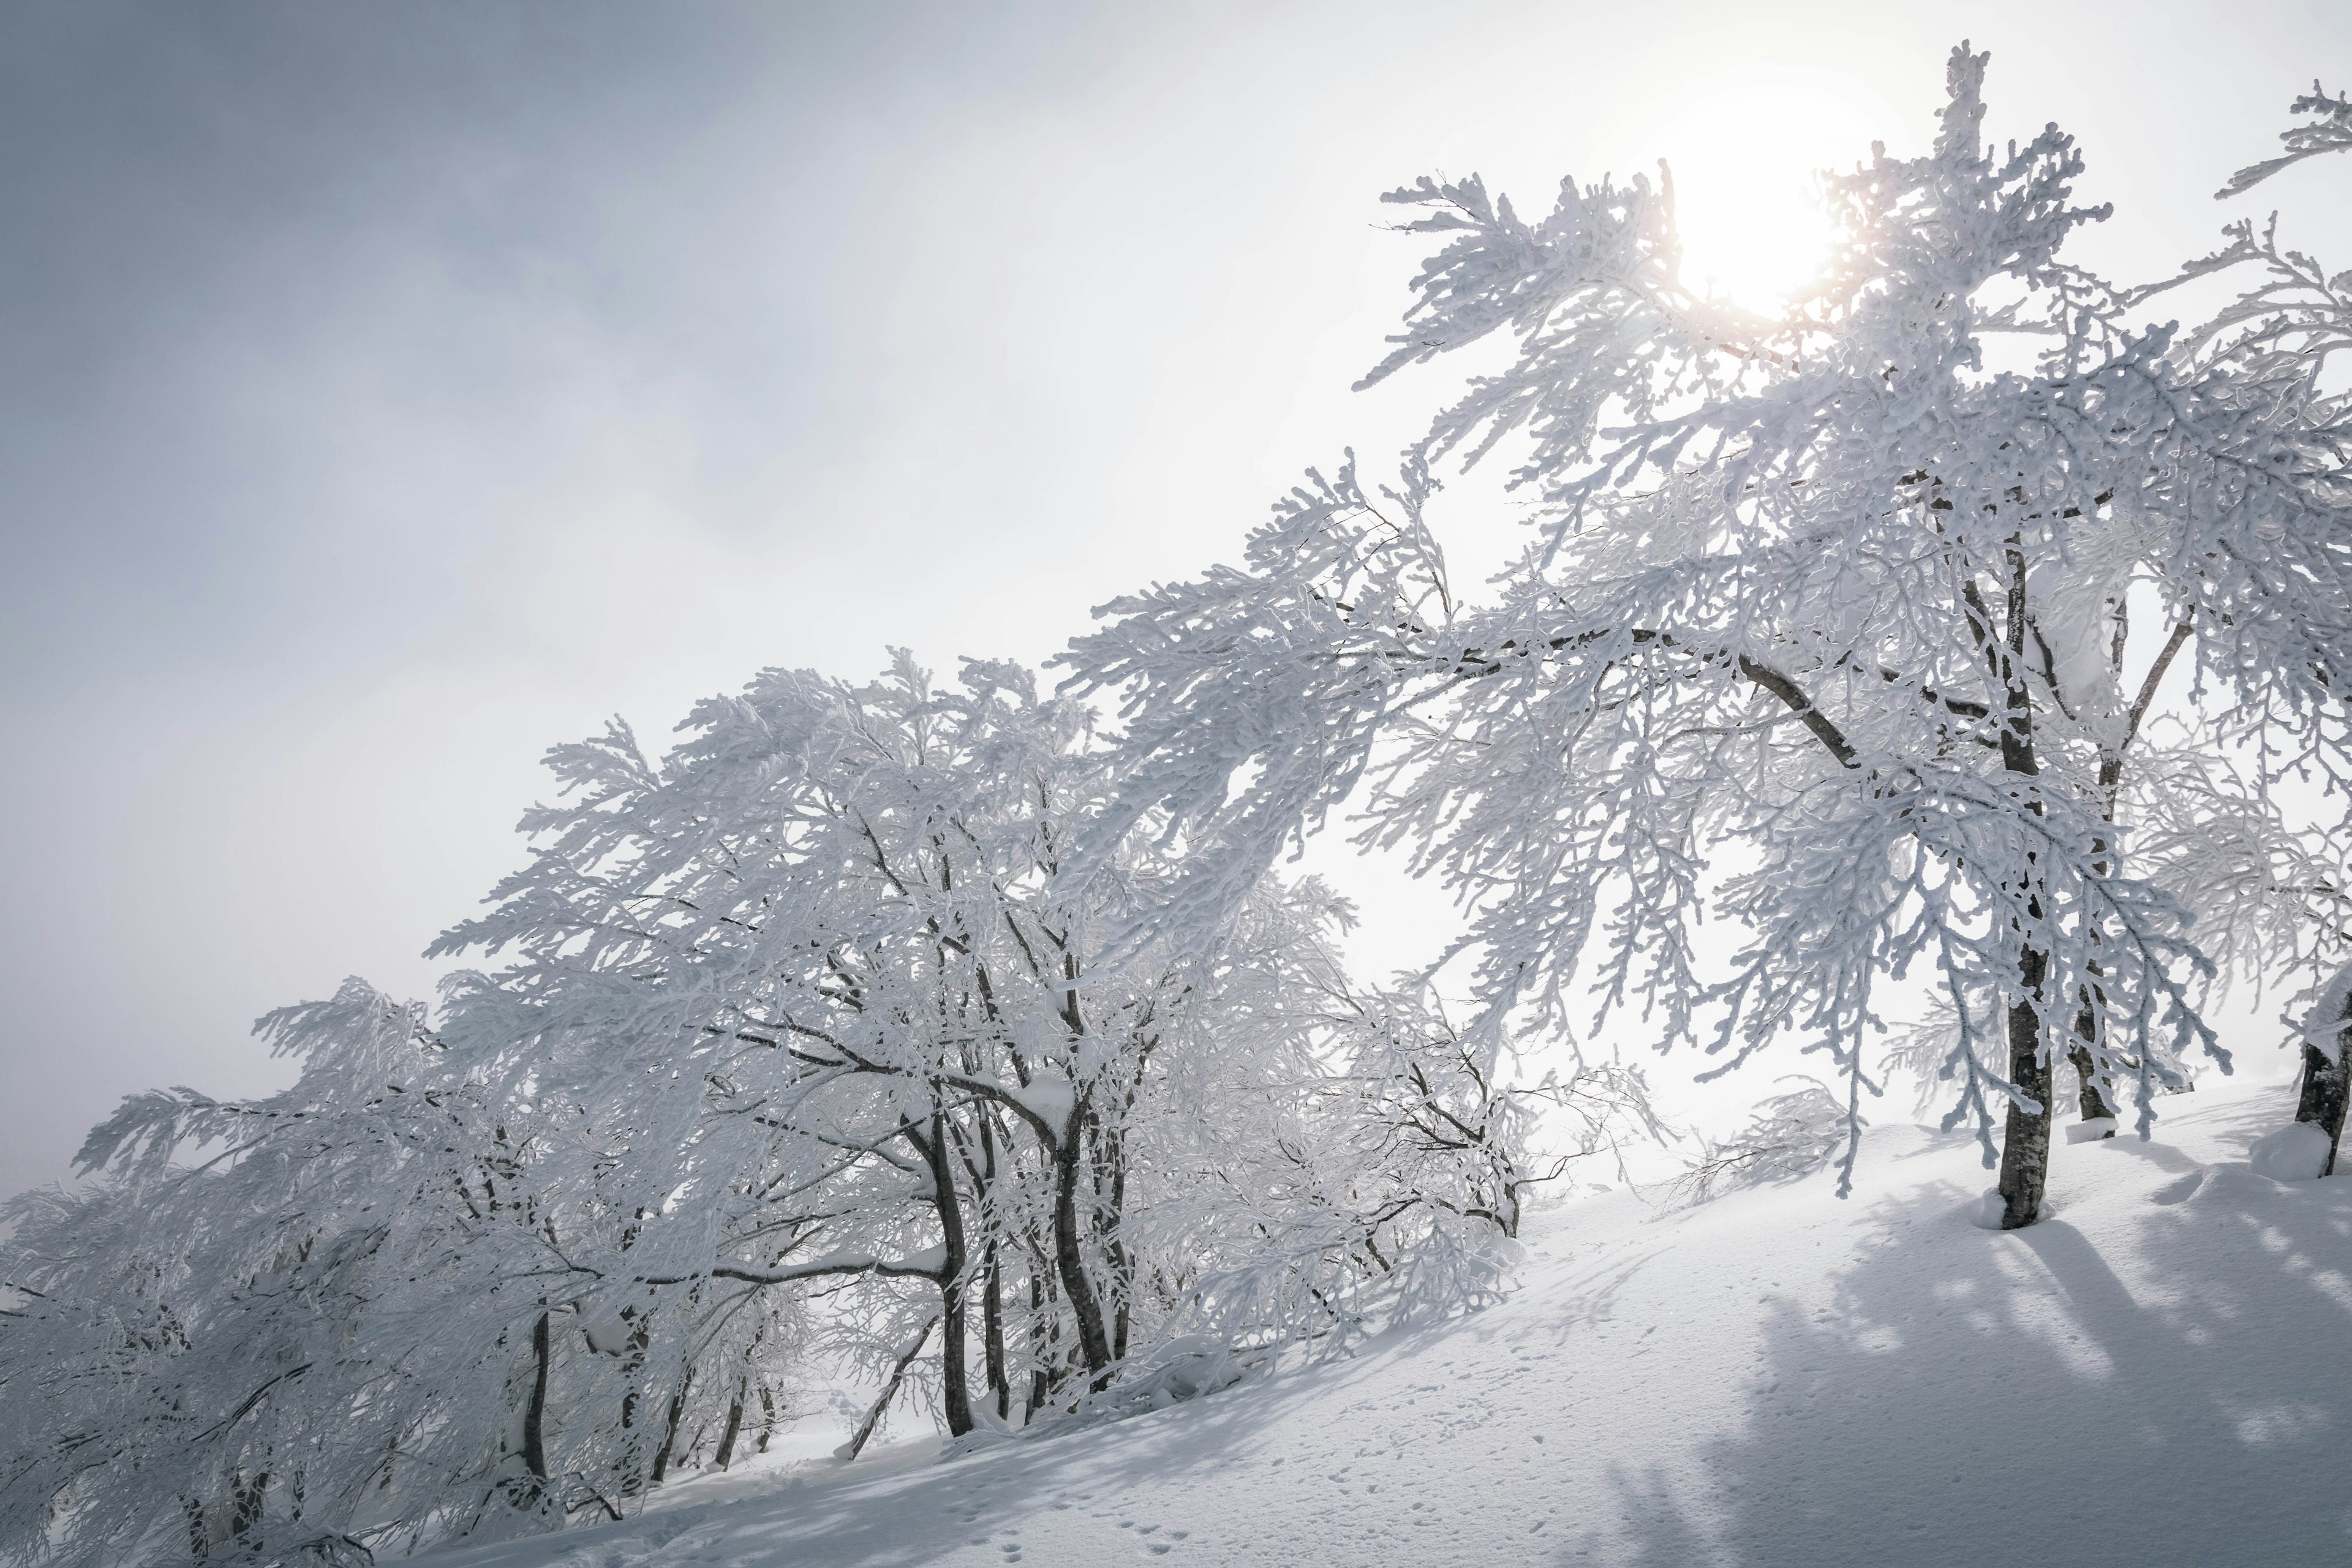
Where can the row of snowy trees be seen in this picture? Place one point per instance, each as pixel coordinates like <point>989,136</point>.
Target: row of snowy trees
<point>801,1063</point>
<point>927,1036</point>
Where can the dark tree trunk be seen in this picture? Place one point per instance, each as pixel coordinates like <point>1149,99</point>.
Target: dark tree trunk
<point>726,1453</point>
<point>955,1392</point>
<point>2089,1102</point>
<point>245,1514</point>
<point>857,1444</point>
<point>2327,1086</point>
<point>1069,1257</point>
<point>2025,1142</point>
<point>1111,1204</point>
<point>992,1307</point>
<point>1041,1342</point>
<point>633,1481</point>
<point>534,1416</point>
<point>2025,1145</point>
<point>640,1336</point>
<point>992,1275</point>
<point>669,1427</point>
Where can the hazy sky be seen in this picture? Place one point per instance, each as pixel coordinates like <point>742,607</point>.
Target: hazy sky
<point>388,393</point>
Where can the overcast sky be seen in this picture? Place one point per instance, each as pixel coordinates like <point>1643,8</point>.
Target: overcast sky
<point>387,393</point>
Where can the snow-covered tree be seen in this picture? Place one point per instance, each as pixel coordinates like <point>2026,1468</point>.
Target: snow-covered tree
<point>321,1334</point>
<point>801,1058</point>
<point>1832,616</point>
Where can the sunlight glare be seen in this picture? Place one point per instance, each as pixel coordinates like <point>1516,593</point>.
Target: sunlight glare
<point>1744,144</point>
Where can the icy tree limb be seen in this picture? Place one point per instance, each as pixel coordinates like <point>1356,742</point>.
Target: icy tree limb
<point>857,1443</point>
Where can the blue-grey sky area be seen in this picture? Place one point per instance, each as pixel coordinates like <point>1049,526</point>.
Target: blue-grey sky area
<point>387,393</point>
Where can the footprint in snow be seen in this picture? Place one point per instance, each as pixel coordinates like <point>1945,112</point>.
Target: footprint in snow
<point>1157,1548</point>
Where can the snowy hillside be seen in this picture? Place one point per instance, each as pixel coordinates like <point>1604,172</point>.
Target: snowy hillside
<point>2154,1374</point>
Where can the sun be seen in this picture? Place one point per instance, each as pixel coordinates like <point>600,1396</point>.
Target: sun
<point>1744,144</point>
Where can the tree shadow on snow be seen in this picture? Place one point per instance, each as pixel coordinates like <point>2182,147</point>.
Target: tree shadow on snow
<point>1973,1397</point>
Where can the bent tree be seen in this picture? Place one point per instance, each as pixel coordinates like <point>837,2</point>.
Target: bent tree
<point>1827,617</point>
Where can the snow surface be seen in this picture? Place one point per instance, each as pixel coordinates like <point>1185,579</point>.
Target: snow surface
<point>2155,1375</point>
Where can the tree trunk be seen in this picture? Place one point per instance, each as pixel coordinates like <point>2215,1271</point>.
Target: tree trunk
<point>726,1453</point>
<point>669,1426</point>
<point>1111,1148</point>
<point>2327,1086</point>
<point>857,1444</point>
<point>1069,1259</point>
<point>2025,1142</point>
<point>992,1273</point>
<point>1041,1336</point>
<point>534,1416</point>
<point>640,1336</point>
<point>991,1309</point>
<point>2089,1102</point>
<point>955,1392</point>
<point>2025,1145</point>
<point>245,1515</point>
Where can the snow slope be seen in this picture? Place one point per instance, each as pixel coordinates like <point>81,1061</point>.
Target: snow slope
<point>2158,1374</point>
